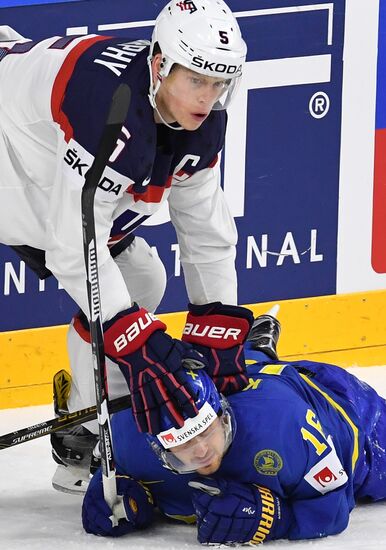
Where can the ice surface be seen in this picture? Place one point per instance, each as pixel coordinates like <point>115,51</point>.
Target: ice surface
<point>35,517</point>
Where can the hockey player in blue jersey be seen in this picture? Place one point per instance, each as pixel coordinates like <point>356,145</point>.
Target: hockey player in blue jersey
<point>287,457</point>
<point>169,149</point>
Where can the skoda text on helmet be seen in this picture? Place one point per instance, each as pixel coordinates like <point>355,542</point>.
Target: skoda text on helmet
<point>203,36</point>
<point>177,448</point>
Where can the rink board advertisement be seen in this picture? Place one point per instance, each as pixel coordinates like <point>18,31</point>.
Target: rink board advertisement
<point>282,164</point>
<point>361,258</point>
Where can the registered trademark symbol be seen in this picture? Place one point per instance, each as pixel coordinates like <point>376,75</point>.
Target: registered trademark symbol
<point>319,105</point>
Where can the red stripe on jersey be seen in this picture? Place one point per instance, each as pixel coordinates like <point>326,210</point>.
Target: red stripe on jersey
<point>153,193</point>
<point>214,162</point>
<point>61,81</point>
<point>83,333</point>
<point>116,239</point>
<point>182,173</point>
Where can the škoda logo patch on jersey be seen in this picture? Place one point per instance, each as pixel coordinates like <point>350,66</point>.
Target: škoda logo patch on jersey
<point>268,462</point>
<point>73,159</point>
<point>187,6</point>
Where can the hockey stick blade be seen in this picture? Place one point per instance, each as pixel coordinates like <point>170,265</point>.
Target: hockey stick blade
<point>50,426</point>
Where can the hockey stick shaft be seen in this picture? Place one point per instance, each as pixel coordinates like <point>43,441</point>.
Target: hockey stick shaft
<point>59,423</point>
<point>116,117</point>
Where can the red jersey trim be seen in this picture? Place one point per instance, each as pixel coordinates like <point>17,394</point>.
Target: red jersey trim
<point>214,162</point>
<point>154,193</point>
<point>83,333</point>
<point>61,81</point>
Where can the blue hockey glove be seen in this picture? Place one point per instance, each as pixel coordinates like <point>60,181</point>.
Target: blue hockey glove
<point>96,514</point>
<point>153,365</point>
<point>218,332</point>
<point>230,512</point>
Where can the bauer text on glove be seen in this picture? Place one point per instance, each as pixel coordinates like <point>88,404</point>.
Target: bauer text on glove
<point>219,331</point>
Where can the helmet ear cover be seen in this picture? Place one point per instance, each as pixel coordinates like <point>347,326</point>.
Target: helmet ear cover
<point>156,50</point>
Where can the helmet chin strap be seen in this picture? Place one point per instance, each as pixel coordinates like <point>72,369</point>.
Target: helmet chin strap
<point>153,90</point>
<point>163,120</point>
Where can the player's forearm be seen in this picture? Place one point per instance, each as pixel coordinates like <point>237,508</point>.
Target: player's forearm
<point>319,517</point>
<point>207,237</point>
<point>115,296</point>
<point>212,281</point>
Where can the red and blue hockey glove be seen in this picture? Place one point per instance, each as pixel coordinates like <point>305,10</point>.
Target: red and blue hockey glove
<point>230,512</point>
<point>154,365</point>
<point>218,332</point>
<point>96,514</point>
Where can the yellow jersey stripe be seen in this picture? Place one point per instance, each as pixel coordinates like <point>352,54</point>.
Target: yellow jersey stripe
<point>272,369</point>
<point>337,407</point>
<point>186,519</point>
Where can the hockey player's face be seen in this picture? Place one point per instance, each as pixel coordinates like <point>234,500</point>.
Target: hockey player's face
<point>187,97</point>
<point>204,452</point>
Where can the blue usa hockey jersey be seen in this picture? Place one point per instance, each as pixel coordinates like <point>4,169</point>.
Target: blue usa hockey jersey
<point>310,432</point>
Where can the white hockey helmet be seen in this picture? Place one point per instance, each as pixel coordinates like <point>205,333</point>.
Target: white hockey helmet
<point>203,36</point>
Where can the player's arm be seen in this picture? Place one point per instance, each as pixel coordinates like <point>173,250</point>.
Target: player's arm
<point>231,512</point>
<point>137,502</point>
<point>313,501</point>
<point>321,516</point>
<point>151,361</point>
<point>322,498</point>
<point>64,255</point>
<point>207,237</point>
<point>311,469</point>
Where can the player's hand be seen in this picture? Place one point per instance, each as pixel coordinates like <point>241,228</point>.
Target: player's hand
<point>230,512</point>
<point>97,516</point>
<point>154,364</point>
<point>218,332</point>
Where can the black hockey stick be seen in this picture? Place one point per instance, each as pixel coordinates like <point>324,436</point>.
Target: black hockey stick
<point>50,426</point>
<point>116,117</point>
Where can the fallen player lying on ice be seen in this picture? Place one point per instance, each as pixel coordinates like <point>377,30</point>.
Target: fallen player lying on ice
<point>287,457</point>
